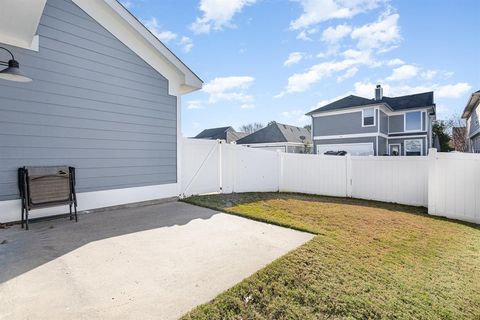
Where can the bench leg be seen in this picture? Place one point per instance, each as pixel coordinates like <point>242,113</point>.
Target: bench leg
<point>76,217</point>
<point>71,217</point>
<point>26,218</point>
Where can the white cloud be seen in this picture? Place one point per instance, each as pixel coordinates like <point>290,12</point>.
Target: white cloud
<point>333,35</point>
<point>305,34</point>
<point>348,74</point>
<point>316,11</point>
<point>452,90</point>
<point>247,106</point>
<point>154,27</point>
<point>395,62</point>
<point>297,116</point>
<point>300,82</point>
<point>194,104</point>
<point>293,58</point>
<point>404,72</point>
<point>366,89</point>
<point>229,89</point>
<point>380,35</point>
<point>429,74</point>
<point>127,4</point>
<point>217,14</point>
<point>166,36</point>
<point>186,43</point>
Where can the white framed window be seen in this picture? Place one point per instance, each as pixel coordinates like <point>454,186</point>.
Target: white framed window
<point>413,147</point>
<point>413,121</point>
<point>368,117</point>
<point>394,149</point>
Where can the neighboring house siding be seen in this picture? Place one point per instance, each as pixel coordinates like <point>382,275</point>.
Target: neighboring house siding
<point>383,122</point>
<point>346,140</point>
<point>401,141</point>
<point>476,144</point>
<point>473,123</point>
<point>93,104</point>
<point>382,146</point>
<point>345,123</point>
<point>395,123</point>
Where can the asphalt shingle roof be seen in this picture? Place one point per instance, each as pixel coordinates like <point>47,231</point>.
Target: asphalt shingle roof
<point>418,100</point>
<point>278,132</point>
<point>224,133</point>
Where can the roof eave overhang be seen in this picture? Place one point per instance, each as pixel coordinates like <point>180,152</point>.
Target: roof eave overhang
<point>312,113</point>
<point>472,102</point>
<point>131,32</point>
<point>19,20</point>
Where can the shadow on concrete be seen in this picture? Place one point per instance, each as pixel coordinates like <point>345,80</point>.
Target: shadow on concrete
<point>22,251</point>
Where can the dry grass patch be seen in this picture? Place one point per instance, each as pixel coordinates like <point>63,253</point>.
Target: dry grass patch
<point>369,260</point>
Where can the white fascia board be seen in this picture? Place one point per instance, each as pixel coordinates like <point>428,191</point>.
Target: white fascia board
<point>131,32</point>
<point>19,21</point>
<point>354,135</point>
<point>382,106</point>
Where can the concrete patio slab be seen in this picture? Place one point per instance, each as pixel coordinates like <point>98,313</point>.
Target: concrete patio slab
<point>151,262</point>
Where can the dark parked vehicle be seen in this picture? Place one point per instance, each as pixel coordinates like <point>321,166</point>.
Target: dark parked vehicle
<point>335,153</point>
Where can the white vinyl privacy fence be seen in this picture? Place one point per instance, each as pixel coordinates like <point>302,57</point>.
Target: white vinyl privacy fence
<point>448,184</point>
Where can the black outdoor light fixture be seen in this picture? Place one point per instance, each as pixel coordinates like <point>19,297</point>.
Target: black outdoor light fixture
<point>12,72</point>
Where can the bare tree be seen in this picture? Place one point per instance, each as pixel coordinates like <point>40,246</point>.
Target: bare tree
<point>251,127</point>
<point>458,133</point>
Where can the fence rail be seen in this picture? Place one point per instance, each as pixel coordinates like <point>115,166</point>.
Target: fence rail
<point>448,184</point>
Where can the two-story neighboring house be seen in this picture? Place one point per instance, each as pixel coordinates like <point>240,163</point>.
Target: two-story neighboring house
<point>380,126</point>
<point>472,116</point>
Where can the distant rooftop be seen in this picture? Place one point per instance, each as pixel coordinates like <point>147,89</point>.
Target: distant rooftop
<point>223,133</point>
<point>412,101</point>
<point>278,132</point>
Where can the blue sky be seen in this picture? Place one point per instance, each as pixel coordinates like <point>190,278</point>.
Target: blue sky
<point>264,60</point>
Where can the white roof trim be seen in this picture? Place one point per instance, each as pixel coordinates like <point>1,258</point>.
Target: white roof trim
<point>125,27</point>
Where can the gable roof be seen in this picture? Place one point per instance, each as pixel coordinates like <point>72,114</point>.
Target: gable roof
<point>121,23</point>
<point>223,133</point>
<point>413,101</point>
<point>471,104</point>
<point>278,132</point>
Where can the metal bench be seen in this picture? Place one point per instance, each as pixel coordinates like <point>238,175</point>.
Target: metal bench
<point>43,187</point>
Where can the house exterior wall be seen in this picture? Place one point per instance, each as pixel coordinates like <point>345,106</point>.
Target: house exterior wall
<point>382,146</point>
<point>473,130</point>
<point>345,123</point>
<point>401,141</point>
<point>475,142</point>
<point>346,140</point>
<point>93,104</point>
<point>396,123</point>
<point>383,122</point>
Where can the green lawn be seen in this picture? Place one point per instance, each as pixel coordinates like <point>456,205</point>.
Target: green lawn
<point>368,260</point>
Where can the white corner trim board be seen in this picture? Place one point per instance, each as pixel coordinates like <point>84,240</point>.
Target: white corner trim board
<point>125,27</point>
<point>10,210</point>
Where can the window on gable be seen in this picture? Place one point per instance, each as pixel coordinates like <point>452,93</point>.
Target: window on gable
<point>413,121</point>
<point>368,117</point>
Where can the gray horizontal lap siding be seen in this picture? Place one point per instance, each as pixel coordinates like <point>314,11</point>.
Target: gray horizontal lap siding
<point>383,122</point>
<point>382,146</point>
<point>93,104</point>
<point>473,123</point>
<point>395,123</point>
<point>338,124</point>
